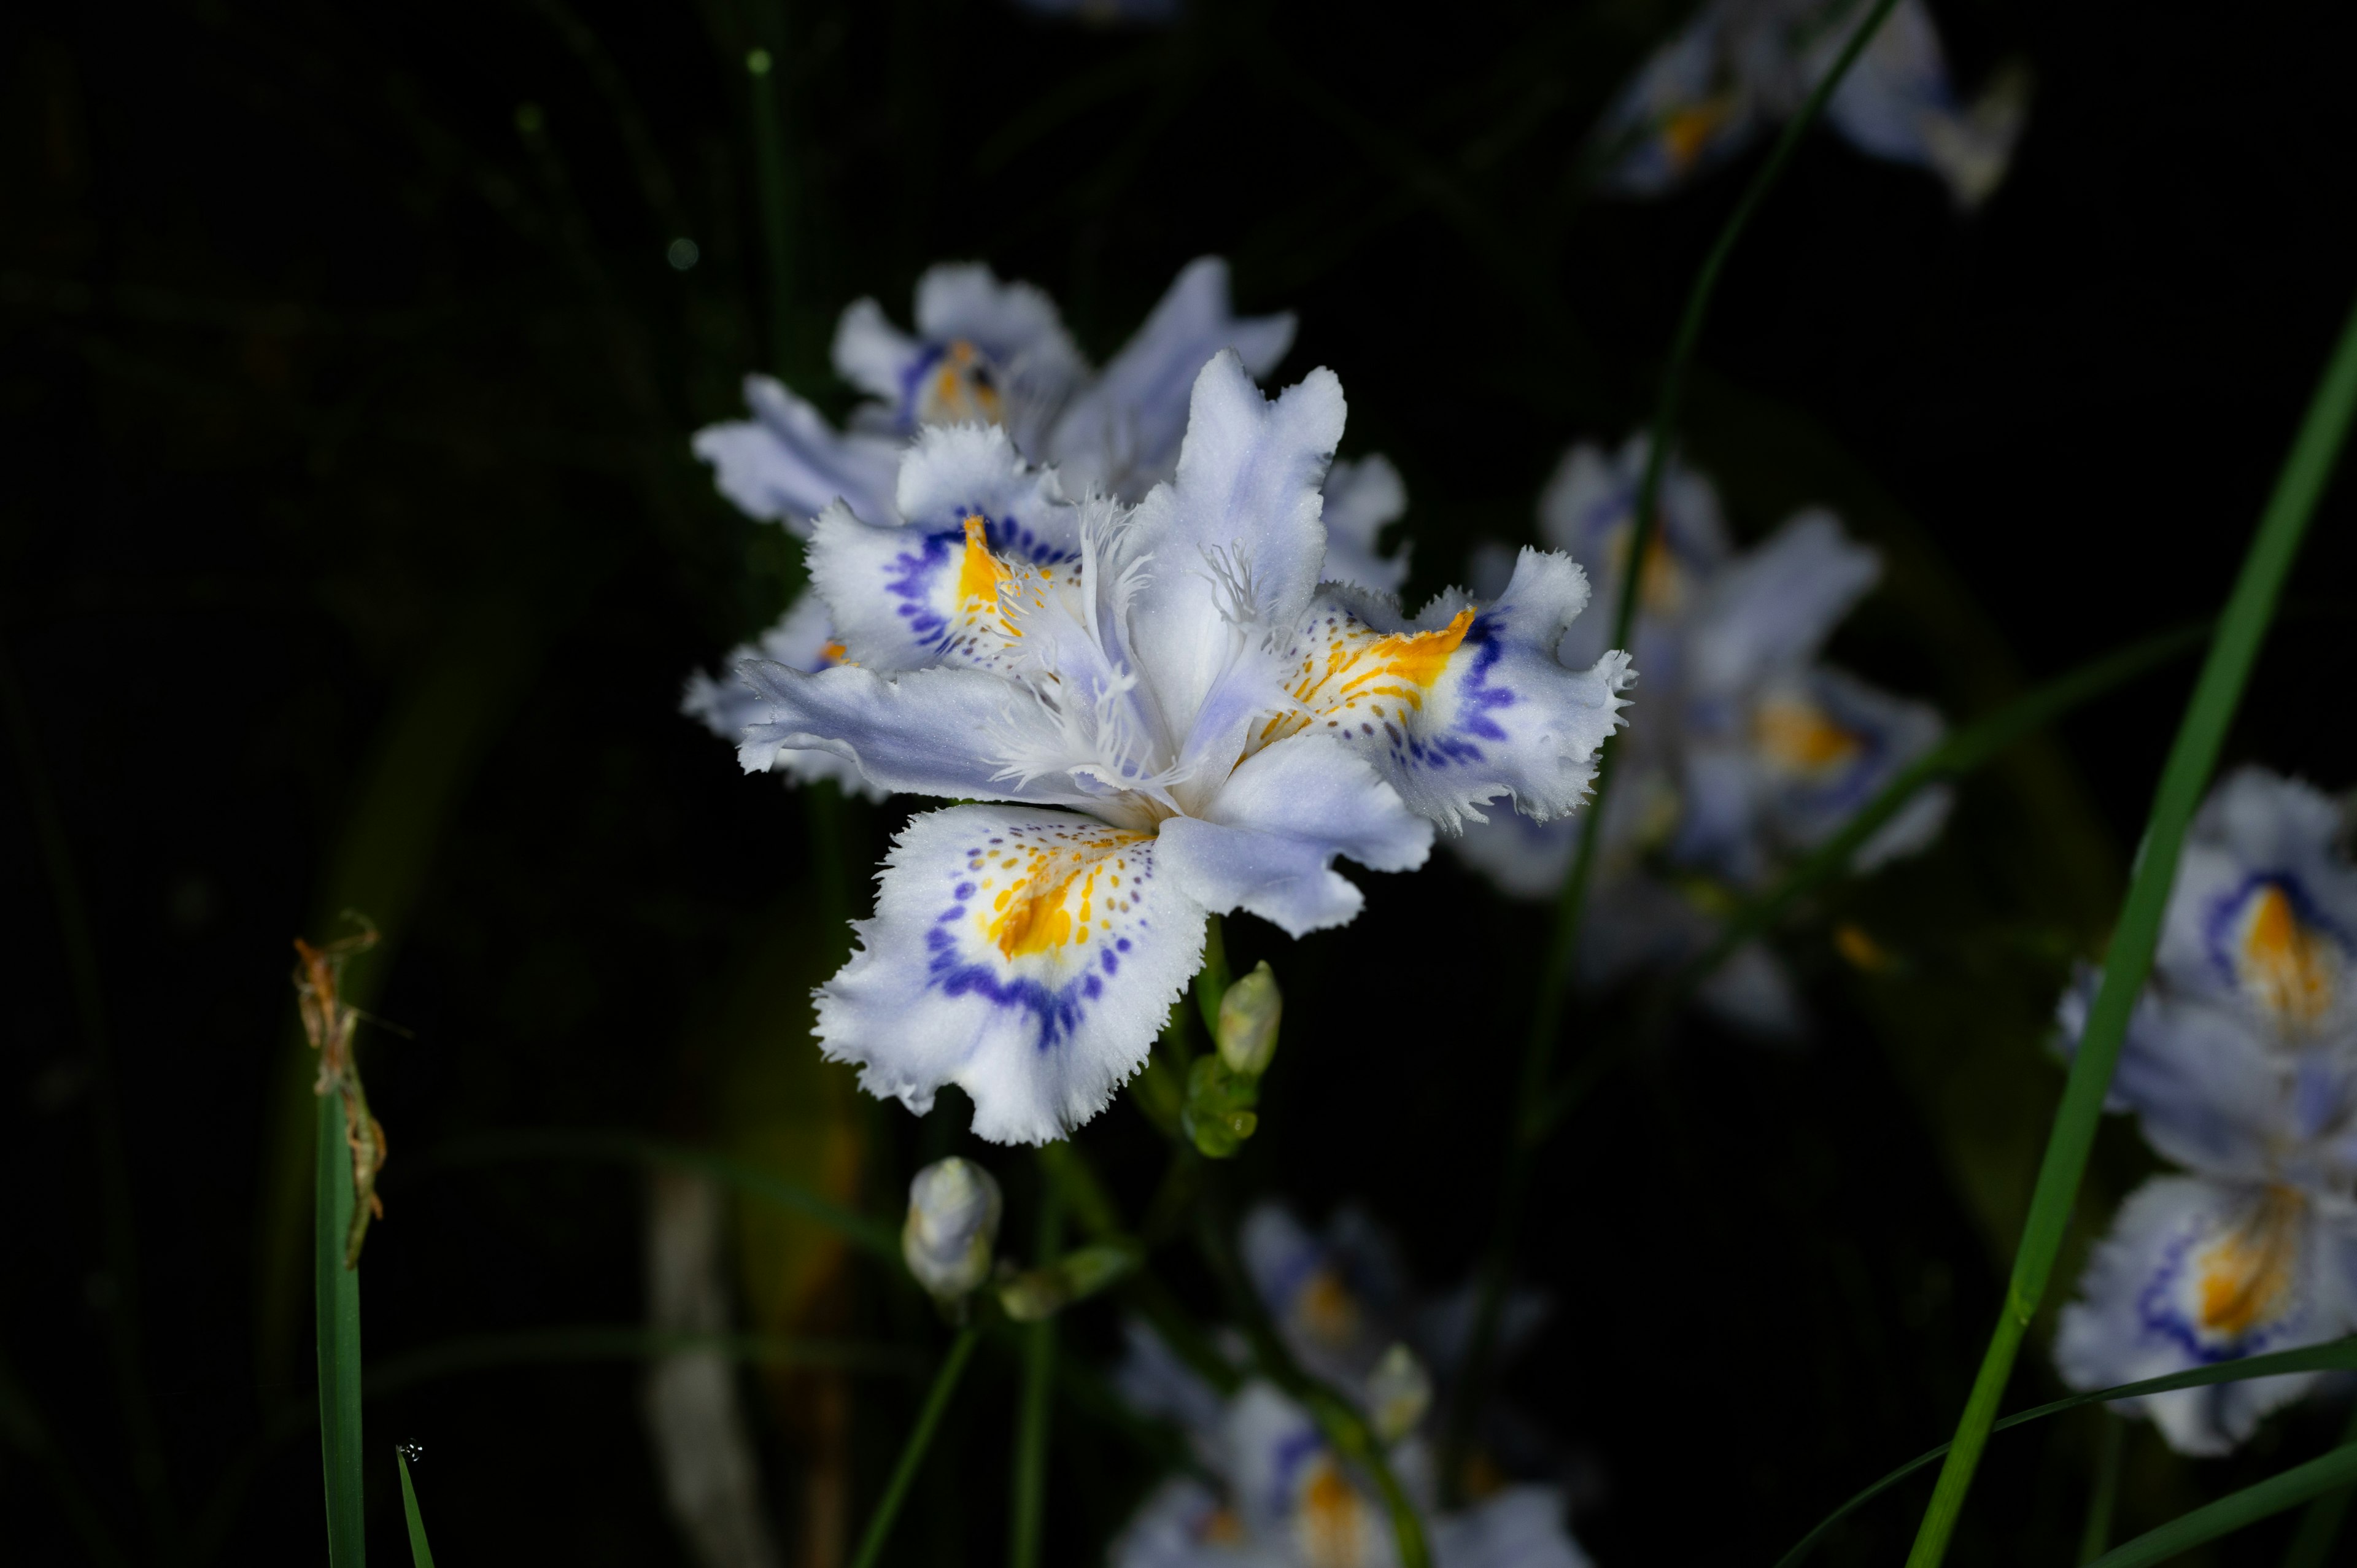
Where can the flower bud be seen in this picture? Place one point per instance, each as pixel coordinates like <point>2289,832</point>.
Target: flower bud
<point>1399,1390</point>
<point>1248,1016</point>
<point>953,1208</point>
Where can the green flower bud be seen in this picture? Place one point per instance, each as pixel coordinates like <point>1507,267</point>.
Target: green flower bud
<point>1399,1390</point>
<point>1039,1293</point>
<point>1248,1016</point>
<point>953,1208</point>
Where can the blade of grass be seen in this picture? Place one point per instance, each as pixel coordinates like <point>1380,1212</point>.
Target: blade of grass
<point>1563,944</point>
<point>338,1302</point>
<point>1960,754</point>
<point>912,1453</point>
<point>2186,775</point>
<point>1032,1416</point>
<point>118,1235</point>
<point>871,1235</point>
<point>2339,1356</point>
<point>2325,1473</point>
<point>420,1554</point>
<point>2105,1494</point>
<point>2311,1544</point>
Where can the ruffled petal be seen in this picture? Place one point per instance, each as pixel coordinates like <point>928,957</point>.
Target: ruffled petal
<point>1233,542</point>
<point>1182,1523</point>
<point>802,639</point>
<point>1588,511</point>
<point>1267,840</point>
<point>981,522</point>
<point>1029,957</point>
<point>1466,703</point>
<point>787,464</point>
<point>1363,498</point>
<point>1897,104</point>
<point>1122,433</point>
<point>2262,918</point>
<point>2197,1272</point>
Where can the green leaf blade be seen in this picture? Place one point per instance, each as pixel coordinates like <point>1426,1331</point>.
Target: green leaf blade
<point>420,1554</point>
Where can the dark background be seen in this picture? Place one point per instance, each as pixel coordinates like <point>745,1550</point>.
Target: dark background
<point>351,550</point>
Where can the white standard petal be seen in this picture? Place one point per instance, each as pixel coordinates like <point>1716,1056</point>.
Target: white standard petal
<point>1466,702</point>
<point>874,355</point>
<point>1029,957</point>
<point>787,463</point>
<point>1363,496</point>
<point>1234,540</point>
<point>803,639</point>
<point>1267,840</point>
<point>2197,1272</point>
<point>955,472</point>
<point>1123,432</point>
<point>1772,609</point>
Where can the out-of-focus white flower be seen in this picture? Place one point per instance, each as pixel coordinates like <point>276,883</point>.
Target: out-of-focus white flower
<point>1742,66</point>
<point>953,1209</point>
<point>1743,751</point>
<point>1181,719</point>
<point>2240,1065</point>
<point>995,353</point>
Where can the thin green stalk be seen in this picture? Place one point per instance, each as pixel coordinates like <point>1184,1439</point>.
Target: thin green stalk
<point>1563,945</point>
<point>2105,1494</point>
<point>338,1305</point>
<point>1032,1416</point>
<point>1343,1427</point>
<point>764,73</point>
<point>119,1236</point>
<point>421,1555</point>
<point>2327,1473</point>
<point>2337,1356</point>
<point>912,1454</point>
<point>2184,777</point>
<point>1211,980</point>
<point>2319,1527</point>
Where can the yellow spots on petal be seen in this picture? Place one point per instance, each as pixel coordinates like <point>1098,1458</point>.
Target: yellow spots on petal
<point>1052,904</point>
<point>1333,1520</point>
<point>831,653</point>
<point>1362,667</point>
<point>1796,735</point>
<point>2286,964</point>
<point>2245,1278</point>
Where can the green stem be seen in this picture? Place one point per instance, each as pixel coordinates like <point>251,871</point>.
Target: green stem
<point>1211,980</point>
<point>1563,945</point>
<point>912,1454</point>
<point>2105,1494</point>
<point>764,70</point>
<point>2184,777</point>
<point>337,1304</point>
<point>119,1234</point>
<point>1031,1417</point>
<point>1337,1418</point>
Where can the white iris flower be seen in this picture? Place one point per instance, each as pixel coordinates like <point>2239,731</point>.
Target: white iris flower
<point>1176,719</point>
<point>2241,1065</point>
<point>1743,66</point>
<point>1277,1495</point>
<point>990,353</point>
<point>1747,751</point>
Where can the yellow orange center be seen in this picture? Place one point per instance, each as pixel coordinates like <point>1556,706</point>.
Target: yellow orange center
<point>1333,1521</point>
<point>2283,961</point>
<point>1049,896</point>
<point>2245,1278</point>
<point>1795,735</point>
<point>1327,1308</point>
<point>1687,132</point>
<point>961,389</point>
<point>1387,675</point>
